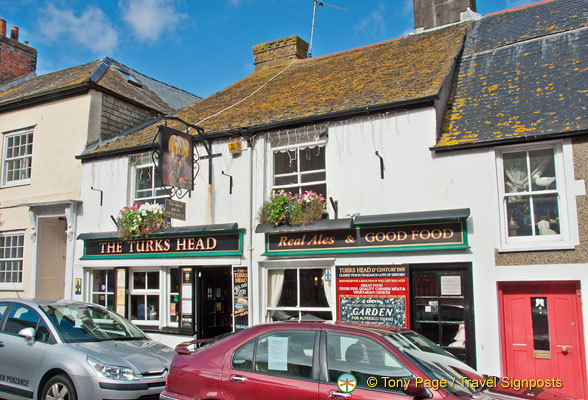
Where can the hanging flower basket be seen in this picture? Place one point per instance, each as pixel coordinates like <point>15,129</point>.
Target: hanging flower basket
<point>141,219</point>
<point>285,208</point>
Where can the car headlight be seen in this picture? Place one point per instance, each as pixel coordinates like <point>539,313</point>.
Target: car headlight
<point>112,371</point>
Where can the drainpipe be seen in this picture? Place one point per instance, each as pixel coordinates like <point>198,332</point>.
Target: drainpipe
<point>251,141</point>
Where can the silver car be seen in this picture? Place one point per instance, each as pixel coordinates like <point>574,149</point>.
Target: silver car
<point>73,350</point>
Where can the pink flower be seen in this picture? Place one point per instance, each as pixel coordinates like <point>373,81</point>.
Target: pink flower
<point>299,201</point>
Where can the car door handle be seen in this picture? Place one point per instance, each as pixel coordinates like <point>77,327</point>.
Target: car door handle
<point>1,344</point>
<point>237,379</point>
<point>333,394</point>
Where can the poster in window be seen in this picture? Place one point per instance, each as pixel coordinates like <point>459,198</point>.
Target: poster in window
<point>373,294</point>
<point>240,298</point>
<point>176,158</point>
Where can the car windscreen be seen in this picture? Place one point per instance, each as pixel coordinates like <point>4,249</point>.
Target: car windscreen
<point>89,323</point>
<point>460,379</point>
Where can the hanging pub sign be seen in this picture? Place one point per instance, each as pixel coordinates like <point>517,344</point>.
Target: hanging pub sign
<point>186,245</point>
<point>373,295</point>
<point>413,237</point>
<point>176,158</point>
<point>240,298</point>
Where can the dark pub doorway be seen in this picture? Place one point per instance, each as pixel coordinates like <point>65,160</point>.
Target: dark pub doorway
<point>214,306</point>
<point>442,307</point>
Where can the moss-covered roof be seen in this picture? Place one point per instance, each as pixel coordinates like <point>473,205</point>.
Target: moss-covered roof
<point>406,69</point>
<point>523,76</point>
<point>101,74</point>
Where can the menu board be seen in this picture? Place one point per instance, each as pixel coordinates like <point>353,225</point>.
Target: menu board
<point>373,294</point>
<point>240,298</point>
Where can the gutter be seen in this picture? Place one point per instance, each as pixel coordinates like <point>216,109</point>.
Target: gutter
<point>291,123</point>
<point>504,142</point>
<point>26,101</point>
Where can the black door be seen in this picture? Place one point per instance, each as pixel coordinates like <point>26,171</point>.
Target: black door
<point>215,304</point>
<point>442,307</point>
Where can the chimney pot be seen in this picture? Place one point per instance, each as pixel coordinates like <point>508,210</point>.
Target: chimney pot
<point>2,27</point>
<point>14,33</point>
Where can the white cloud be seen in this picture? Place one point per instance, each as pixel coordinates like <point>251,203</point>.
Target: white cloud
<point>91,29</point>
<point>150,18</point>
<point>518,3</point>
<point>373,23</point>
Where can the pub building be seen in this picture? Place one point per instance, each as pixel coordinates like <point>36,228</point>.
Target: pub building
<point>389,249</point>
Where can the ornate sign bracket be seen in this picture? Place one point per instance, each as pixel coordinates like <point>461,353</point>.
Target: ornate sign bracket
<point>171,155</point>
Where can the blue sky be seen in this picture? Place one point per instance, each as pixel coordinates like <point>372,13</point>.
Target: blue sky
<point>200,46</point>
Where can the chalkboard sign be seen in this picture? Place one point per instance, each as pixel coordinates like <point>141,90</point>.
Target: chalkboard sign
<point>240,298</point>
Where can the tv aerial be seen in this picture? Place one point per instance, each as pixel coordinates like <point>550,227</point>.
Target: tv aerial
<point>318,4</point>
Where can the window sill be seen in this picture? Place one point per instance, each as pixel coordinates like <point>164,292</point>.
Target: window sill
<point>167,330</point>
<point>16,287</point>
<point>525,247</point>
<point>15,184</point>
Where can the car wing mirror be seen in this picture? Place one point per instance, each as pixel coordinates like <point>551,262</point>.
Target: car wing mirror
<point>416,389</point>
<point>28,334</point>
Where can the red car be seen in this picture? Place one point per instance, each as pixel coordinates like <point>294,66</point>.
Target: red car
<point>310,361</point>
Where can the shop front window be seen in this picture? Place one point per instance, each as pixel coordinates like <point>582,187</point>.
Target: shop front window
<point>299,294</point>
<point>145,296</point>
<point>103,288</point>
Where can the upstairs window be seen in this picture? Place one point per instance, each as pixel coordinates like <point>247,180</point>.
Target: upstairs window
<point>533,199</point>
<point>299,162</point>
<point>18,158</point>
<point>146,185</point>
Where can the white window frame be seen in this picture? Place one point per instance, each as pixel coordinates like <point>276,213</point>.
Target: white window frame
<point>13,285</point>
<point>6,160</point>
<point>297,142</point>
<point>105,292</point>
<point>325,267</point>
<point>146,292</point>
<point>136,162</point>
<point>566,239</point>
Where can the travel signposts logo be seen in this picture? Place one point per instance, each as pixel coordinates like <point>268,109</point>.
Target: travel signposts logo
<point>346,383</point>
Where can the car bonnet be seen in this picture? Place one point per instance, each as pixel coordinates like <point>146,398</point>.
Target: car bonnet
<point>145,356</point>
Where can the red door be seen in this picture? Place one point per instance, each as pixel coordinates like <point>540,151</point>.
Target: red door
<point>542,334</point>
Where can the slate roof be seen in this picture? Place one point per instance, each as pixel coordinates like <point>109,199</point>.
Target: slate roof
<point>405,70</point>
<point>104,74</point>
<point>523,76</point>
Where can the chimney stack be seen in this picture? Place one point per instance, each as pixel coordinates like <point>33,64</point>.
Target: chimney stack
<point>279,52</point>
<point>16,59</point>
<point>433,13</point>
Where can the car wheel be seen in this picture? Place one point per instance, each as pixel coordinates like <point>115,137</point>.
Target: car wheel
<point>59,388</point>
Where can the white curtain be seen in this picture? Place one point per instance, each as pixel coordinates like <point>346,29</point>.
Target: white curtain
<point>515,170</point>
<point>275,280</point>
<point>328,285</point>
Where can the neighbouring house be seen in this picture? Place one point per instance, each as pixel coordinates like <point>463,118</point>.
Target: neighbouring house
<point>45,121</point>
<point>520,99</point>
<point>425,147</point>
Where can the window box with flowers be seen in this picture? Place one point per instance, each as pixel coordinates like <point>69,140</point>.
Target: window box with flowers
<point>141,219</point>
<point>285,208</point>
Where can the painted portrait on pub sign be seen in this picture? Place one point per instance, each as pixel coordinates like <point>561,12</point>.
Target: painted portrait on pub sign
<point>176,166</point>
